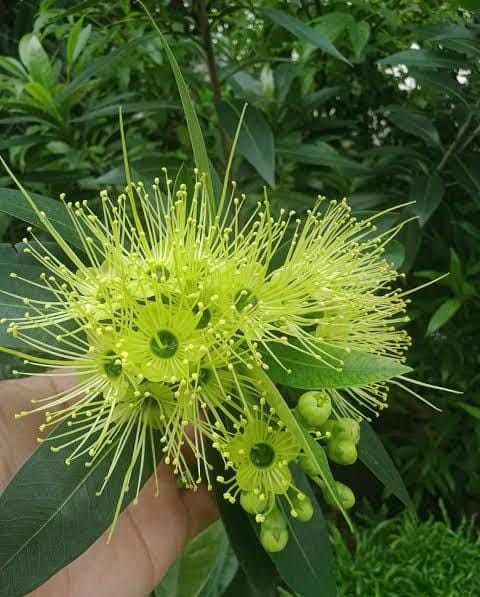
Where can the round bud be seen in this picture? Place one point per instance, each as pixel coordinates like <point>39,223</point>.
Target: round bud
<point>345,495</point>
<point>348,429</point>
<point>303,508</point>
<point>314,408</point>
<point>251,502</point>
<point>275,519</point>
<point>342,451</point>
<point>308,466</point>
<point>273,540</point>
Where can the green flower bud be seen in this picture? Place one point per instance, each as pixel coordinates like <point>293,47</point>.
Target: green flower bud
<point>345,495</point>
<point>303,508</point>
<point>348,429</point>
<point>342,451</point>
<point>314,408</point>
<point>251,502</point>
<point>308,466</point>
<point>275,519</point>
<point>273,540</point>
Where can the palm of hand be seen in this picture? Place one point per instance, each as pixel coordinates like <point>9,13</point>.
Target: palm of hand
<point>148,536</point>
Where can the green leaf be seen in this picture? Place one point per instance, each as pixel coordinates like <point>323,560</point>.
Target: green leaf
<point>441,82</point>
<point>77,40</point>
<point>306,564</point>
<point>252,558</point>
<point>36,61</point>
<point>308,373</point>
<point>49,513</point>
<point>303,32</point>
<point>394,253</point>
<point>456,279</point>
<point>414,123</point>
<point>14,203</point>
<point>427,192</point>
<point>422,58</point>
<point>127,108</point>
<point>200,567</point>
<point>13,67</point>
<point>443,314</point>
<point>474,411</point>
<point>322,154</point>
<point>196,137</point>
<point>255,141</point>
<point>359,34</point>
<point>467,172</point>
<point>24,140</point>
<point>100,65</point>
<point>333,24</point>
<point>372,453</point>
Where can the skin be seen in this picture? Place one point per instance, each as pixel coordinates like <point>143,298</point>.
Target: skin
<point>148,536</point>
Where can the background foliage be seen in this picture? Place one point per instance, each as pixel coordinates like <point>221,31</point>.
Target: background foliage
<point>374,100</point>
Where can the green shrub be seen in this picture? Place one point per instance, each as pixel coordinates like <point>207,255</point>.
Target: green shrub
<point>402,558</point>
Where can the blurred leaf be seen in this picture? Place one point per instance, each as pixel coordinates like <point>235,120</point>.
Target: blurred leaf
<point>359,34</point>
<point>36,61</point>
<point>467,173</point>
<point>332,24</point>
<point>307,562</point>
<point>76,42</point>
<point>44,524</point>
<point>255,141</point>
<point>14,203</point>
<point>318,98</point>
<point>127,108</point>
<point>444,83</point>
<point>322,154</point>
<point>443,314</point>
<point>394,253</point>
<point>200,566</point>
<point>100,65</point>
<point>456,278</point>
<point>427,192</point>
<point>303,32</point>
<point>470,409</point>
<point>424,58</point>
<point>13,67</point>
<point>300,370</point>
<point>372,453</point>
<point>23,140</point>
<point>414,123</point>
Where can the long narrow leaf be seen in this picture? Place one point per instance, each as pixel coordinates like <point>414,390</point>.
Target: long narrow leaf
<point>195,132</point>
<point>50,514</point>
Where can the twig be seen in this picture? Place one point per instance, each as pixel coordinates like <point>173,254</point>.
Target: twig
<point>469,139</point>
<point>454,143</point>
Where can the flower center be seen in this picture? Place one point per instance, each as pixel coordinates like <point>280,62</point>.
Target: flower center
<point>262,455</point>
<point>111,367</point>
<point>204,319</point>
<point>245,298</point>
<point>164,344</point>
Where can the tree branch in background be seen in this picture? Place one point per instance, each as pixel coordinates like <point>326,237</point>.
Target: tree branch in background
<point>201,13</point>
<point>455,143</point>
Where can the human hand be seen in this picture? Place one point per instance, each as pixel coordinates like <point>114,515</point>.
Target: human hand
<point>148,536</point>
